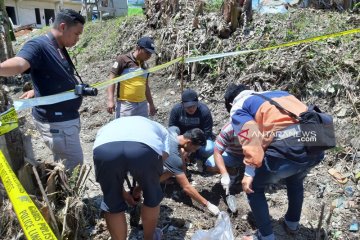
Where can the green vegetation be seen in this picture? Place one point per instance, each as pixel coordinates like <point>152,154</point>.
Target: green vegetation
<point>213,5</point>
<point>315,62</point>
<point>135,11</point>
<point>98,42</point>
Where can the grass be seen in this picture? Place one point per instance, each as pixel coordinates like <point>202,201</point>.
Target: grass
<point>135,10</point>
<point>213,5</point>
<point>94,46</point>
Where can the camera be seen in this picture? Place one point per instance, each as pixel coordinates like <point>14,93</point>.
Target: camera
<point>85,90</point>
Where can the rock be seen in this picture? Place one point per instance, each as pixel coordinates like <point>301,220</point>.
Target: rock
<point>355,143</point>
<point>356,155</point>
<point>188,225</point>
<point>172,228</point>
<point>342,113</point>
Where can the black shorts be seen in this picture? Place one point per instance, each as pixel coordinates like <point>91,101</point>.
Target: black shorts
<point>114,160</point>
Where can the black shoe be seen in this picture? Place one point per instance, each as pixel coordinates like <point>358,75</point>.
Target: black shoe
<point>288,230</point>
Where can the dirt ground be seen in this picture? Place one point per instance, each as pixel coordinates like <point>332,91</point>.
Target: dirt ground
<point>183,216</point>
<point>179,215</point>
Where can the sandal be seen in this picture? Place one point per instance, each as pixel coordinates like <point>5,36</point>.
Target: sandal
<point>336,175</point>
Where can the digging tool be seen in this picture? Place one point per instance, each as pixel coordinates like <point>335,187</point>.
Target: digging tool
<point>230,199</point>
<point>231,202</point>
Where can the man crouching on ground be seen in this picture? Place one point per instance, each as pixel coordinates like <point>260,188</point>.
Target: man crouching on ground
<point>180,146</point>
<point>139,146</point>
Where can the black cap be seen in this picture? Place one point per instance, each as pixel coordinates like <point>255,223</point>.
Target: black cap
<point>147,43</point>
<point>189,98</point>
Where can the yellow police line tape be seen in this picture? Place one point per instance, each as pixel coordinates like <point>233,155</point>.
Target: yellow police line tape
<point>32,222</point>
<point>27,103</point>
<point>8,121</point>
<point>288,44</point>
<point>22,104</point>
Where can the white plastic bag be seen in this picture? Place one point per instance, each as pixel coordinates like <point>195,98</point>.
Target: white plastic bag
<point>221,231</point>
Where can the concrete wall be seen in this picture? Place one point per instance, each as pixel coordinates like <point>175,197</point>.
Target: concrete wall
<point>121,7</point>
<point>25,10</point>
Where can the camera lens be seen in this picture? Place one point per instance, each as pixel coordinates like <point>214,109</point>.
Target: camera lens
<point>94,91</point>
<point>89,91</point>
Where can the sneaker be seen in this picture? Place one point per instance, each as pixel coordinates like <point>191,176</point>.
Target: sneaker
<point>288,230</point>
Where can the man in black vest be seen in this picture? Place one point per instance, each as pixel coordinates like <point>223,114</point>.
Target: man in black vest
<point>190,114</point>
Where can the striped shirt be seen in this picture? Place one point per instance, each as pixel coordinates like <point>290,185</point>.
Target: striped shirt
<point>227,141</point>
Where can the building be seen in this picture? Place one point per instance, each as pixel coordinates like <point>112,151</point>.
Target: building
<point>25,12</point>
<point>113,7</point>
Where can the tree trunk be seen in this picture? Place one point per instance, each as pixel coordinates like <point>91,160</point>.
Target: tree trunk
<point>11,142</point>
<point>237,12</point>
<point>159,12</point>
<point>6,49</point>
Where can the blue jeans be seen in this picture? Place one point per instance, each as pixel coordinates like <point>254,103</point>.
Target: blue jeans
<point>230,160</point>
<point>272,170</point>
<point>205,151</point>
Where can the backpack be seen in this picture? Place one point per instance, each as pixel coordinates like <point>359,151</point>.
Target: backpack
<point>317,128</point>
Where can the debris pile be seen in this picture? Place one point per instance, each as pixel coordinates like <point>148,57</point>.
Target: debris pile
<point>325,73</point>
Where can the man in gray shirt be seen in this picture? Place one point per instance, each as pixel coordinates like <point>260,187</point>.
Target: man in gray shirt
<point>179,147</point>
<point>137,145</point>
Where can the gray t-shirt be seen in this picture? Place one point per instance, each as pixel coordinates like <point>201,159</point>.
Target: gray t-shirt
<point>174,162</point>
<point>135,129</point>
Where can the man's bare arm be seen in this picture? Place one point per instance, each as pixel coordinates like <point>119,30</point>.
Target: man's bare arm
<point>13,66</point>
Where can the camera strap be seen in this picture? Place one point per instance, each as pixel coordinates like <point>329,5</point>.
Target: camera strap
<point>65,52</point>
<point>67,56</point>
<point>276,104</point>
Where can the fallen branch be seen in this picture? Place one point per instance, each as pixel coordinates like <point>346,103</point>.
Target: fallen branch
<point>52,216</point>
<point>353,103</point>
<point>65,214</point>
<point>81,174</point>
<point>84,182</point>
<point>318,231</point>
